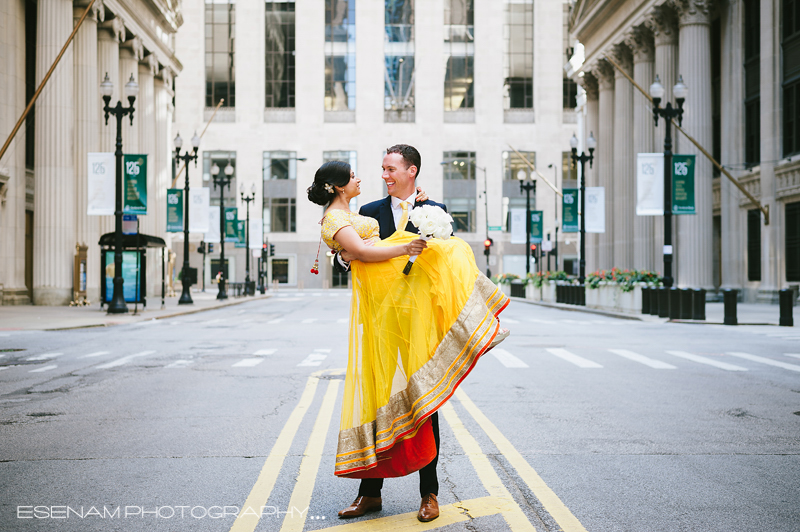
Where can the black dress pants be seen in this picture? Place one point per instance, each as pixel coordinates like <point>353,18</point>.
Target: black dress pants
<point>428,481</point>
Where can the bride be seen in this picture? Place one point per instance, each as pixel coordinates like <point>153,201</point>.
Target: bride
<point>413,338</point>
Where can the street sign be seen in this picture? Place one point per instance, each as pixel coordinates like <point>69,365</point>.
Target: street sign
<point>174,210</point>
<point>537,221</point>
<point>495,228</point>
<point>547,245</point>
<point>569,211</point>
<point>134,184</point>
<point>683,184</point>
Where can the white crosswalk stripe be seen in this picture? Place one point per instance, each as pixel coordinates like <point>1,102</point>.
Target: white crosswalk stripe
<point>45,368</point>
<point>248,363</point>
<point>764,360</point>
<point>342,320</point>
<point>124,360</point>
<point>510,321</point>
<point>507,359</point>
<point>636,357</point>
<point>179,364</point>
<point>97,354</point>
<point>263,352</point>
<point>313,360</point>
<point>574,359</point>
<point>45,356</point>
<point>545,322</point>
<point>273,322</point>
<point>708,361</point>
<point>795,355</point>
<point>309,320</point>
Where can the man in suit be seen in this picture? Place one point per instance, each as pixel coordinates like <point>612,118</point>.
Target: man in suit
<point>401,166</point>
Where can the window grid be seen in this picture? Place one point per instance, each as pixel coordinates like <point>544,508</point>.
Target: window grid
<point>279,54</point>
<point>220,31</point>
<point>459,165</point>
<point>459,45</point>
<point>340,55</point>
<point>518,57</point>
<point>790,44</point>
<point>279,215</point>
<point>399,60</point>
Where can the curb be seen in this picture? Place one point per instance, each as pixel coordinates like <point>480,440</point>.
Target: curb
<point>575,308</point>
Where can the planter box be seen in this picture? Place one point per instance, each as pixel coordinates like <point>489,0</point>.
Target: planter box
<point>549,291</point>
<point>609,296</point>
<point>533,293</point>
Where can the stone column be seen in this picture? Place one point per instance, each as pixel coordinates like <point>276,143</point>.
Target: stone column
<point>87,95</point>
<point>54,200</point>
<point>732,129</point>
<point>162,170</point>
<point>109,35</point>
<point>605,160</point>
<point>640,41</point>
<point>623,187</point>
<point>592,127</point>
<point>663,23</point>
<point>145,115</point>
<point>130,53</point>
<point>694,235</point>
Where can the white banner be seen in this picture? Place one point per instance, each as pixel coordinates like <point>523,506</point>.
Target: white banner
<point>649,184</point>
<point>595,210</point>
<point>212,235</point>
<point>101,184</point>
<point>518,226</point>
<point>199,202</point>
<point>256,233</point>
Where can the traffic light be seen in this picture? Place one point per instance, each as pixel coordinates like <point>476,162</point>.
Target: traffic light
<point>263,252</point>
<point>201,248</point>
<point>272,250</point>
<point>487,246</point>
<point>210,248</point>
<point>533,248</point>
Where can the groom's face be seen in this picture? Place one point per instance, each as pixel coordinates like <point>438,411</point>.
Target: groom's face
<point>398,177</point>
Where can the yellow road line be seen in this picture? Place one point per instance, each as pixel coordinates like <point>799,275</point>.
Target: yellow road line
<point>513,514</point>
<point>557,509</point>
<point>248,517</point>
<point>309,466</point>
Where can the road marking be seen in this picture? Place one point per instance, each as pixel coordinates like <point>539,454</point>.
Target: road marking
<point>769,361</point>
<point>46,368</point>
<point>97,354</point>
<point>4,367</point>
<point>707,361</point>
<point>313,360</point>
<point>248,363</point>
<point>342,320</point>
<point>123,360</point>
<point>309,320</point>
<point>510,321</point>
<point>557,509</point>
<point>45,356</point>
<point>262,352</point>
<point>507,359</point>
<point>216,320</point>
<point>180,364</point>
<point>575,359</point>
<point>579,322</point>
<point>309,466</point>
<point>792,355</point>
<point>275,321</point>
<point>636,357</point>
<point>316,295</point>
<point>546,322</point>
<point>247,520</point>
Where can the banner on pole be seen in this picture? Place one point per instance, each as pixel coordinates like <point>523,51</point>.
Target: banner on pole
<point>595,210</point>
<point>683,184</point>
<point>212,235</point>
<point>231,217</point>
<point>569,211</point>
<point>134,184</point>
<point>101,183</point>
<point>241,235</point>
<point>517,225</point>
<point>174,210</point>
<point>537,226</point>
<point>649,184</point>
<point>256,233</point>
<point>199,202</point>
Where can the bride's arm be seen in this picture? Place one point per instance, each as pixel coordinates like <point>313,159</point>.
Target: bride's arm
<point>350,241</point>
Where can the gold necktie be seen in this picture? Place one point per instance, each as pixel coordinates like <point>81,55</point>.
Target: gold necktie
<point>404,217</point>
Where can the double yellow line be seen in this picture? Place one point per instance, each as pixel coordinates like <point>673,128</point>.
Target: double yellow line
<point>499,500</point>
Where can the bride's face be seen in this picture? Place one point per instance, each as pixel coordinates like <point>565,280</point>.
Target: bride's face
<point>353,188</point>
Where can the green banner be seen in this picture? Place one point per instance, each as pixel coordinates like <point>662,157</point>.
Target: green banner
<point>240,234</point>
<point>174,210</point>
<point>683,184</point>
<point>134,187</point>
<point>231,226</point>
<point>569,211</point>
<point>537,228</point>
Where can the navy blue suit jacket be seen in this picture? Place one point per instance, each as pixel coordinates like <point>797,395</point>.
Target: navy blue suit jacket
<point>381,210</point>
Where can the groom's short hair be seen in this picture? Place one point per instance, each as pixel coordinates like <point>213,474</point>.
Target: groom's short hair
<point>409,153</point>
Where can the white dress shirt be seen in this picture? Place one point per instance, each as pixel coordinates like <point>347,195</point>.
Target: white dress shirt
<point>397,210</point>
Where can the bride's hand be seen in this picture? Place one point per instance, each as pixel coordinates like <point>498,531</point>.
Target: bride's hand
<point>415,247</point>
<point>421,195</point>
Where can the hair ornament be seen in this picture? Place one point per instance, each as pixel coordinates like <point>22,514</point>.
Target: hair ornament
<point>328,187</point>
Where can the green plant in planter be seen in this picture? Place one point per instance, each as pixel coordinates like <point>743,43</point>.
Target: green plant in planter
<point>506,278</point>
<point>538,279</point>
<point>626,279</point>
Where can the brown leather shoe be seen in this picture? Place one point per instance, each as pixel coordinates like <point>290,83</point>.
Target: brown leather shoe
<point>429,508</point>
<point>363,505</point>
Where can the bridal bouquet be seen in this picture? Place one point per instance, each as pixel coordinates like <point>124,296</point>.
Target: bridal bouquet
<point>432,222</point>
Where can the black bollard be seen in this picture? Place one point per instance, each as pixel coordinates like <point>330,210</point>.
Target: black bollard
<point>699,304</point>
<point>568,294</point>
<point>582,293</point>
<point>654,301</point>
<point>559,293</point>
<point>729,301</point>
<point>785,299</point>
<point>686,303</point>
<point>674,303</point>
<point>573,293</point>
<point>663,302</point>
<point>646,300</point>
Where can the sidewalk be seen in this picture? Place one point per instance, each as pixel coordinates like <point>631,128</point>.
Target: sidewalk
<point>40,318</point>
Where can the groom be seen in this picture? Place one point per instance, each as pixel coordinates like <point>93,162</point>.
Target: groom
<point>401,167</point>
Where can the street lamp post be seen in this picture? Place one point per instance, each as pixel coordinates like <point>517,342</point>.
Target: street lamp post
<point>117,304</point>
<point>591,143</point>
<point>527,185</point>
<point>247,199</point>
<point>668,113</point>
<point>222,181</point>
<point>554,250</point>
<point>186,293</point>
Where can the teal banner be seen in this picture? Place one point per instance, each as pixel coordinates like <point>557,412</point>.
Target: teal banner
<point>134,186</point>
<point>174,210</point>
<point>231,225</point>
<point>569,211</point>
<point>683,184</point>
<point>537,227</point>
<point>240,234</point>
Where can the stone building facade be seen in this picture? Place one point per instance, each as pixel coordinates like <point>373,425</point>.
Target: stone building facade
<point>741,62</point>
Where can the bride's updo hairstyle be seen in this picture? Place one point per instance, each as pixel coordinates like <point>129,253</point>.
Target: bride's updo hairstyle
<point>331,174</point>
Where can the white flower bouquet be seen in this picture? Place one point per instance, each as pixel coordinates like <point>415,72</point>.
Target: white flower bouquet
<point>432,222</point>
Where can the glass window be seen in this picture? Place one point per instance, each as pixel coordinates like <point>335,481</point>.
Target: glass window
<point>340,55</point>
<point>569,168</point>
<point>220,32</point>
<point>752,82</point>
<point>459,49</point>
<point>350,157</point>
<point>792,242</point>
<point>754,245</point>
<point>518,56</point>
<point>513,165</point>
<point>790,43</point>
<point>570,96</point>
<point>279,53</point>
<point>279,165</point>
<point>463,212</point>
<point>398,49</point>
<point>514,169</point>
<point>459,165</point>
<point>221,159</point>
<point>279,215</point>
<point>460,189</point>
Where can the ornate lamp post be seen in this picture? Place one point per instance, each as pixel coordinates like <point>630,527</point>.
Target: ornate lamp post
<point>117,304</point>
<point>668,113</point>
<point>247,199</point>
<point>527,185</point>
<point>222,181</point>
<point>186,294</point>
<point>591,143</point>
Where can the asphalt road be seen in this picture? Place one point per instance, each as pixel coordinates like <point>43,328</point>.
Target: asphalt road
<point>577,422</point>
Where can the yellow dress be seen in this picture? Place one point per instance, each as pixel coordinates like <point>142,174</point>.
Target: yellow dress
<point>413,339</point>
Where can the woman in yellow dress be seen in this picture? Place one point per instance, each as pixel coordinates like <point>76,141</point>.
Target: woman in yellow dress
<point>413,338</point>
